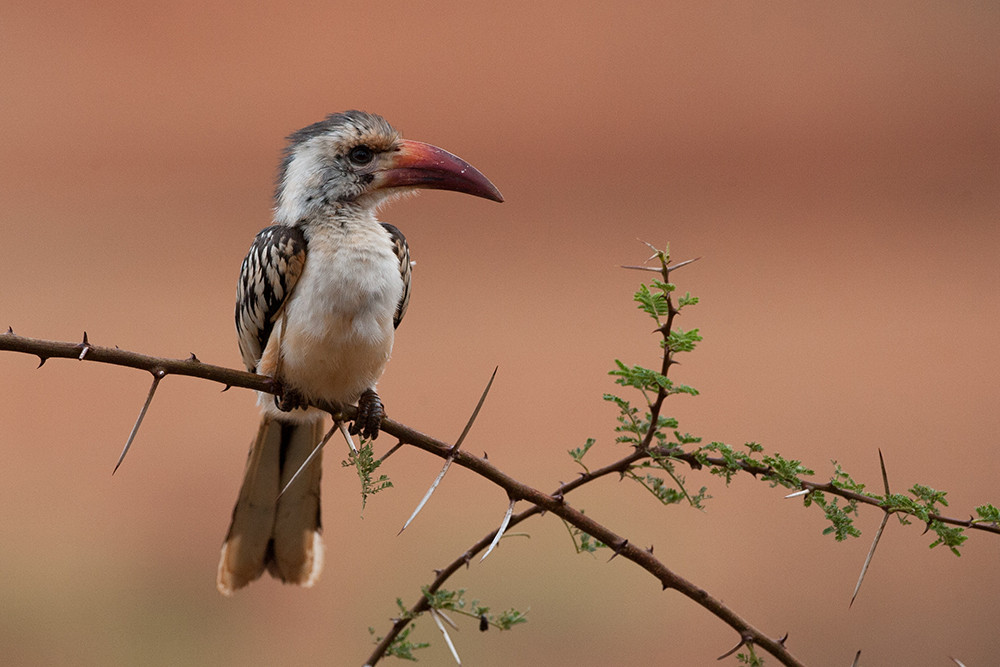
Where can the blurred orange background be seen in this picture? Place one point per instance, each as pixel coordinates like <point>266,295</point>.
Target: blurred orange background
<point>836,166</point>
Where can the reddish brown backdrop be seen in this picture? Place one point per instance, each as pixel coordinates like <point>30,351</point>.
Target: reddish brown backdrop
<point>836,167</point>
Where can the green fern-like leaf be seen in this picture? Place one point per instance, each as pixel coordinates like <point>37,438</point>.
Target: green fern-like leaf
<point>366,464</point>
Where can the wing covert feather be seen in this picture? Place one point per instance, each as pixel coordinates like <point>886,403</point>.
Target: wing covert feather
<point>270,271</point>
<point>403,254</point>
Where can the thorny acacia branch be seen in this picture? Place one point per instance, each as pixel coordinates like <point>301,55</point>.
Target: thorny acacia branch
<point>230,377</point>
<point>516,490</point>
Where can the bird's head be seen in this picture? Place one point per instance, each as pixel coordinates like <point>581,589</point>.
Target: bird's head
<point>357,159</point>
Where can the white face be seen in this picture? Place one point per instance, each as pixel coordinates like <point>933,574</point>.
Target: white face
<point>335,166</point>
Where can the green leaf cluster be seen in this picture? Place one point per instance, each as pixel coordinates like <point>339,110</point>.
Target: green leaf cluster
<point>950,536</point>
<point>583,542</point>
<point>988,514</point>
<point>454,601</point>
<point>401,647</point>
<point>648,380</point>
<point>922,504</point>
<point>578,453</point>
<point>732,460</point>
<point>654,304</point>
<point>366,464</point>
<point>841,524</point>
<point>679,340</point>
<point>666,445</point>
<point>750,658</point>
<point>784,472</point>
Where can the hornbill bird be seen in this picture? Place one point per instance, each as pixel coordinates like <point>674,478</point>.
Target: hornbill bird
<point>319,296</point>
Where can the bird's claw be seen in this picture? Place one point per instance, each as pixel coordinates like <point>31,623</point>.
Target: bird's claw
<point>370,415</point>
<point>288,399</point>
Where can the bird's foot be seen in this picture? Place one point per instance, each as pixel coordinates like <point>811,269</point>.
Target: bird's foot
<point>370,414</point>
<point>287,399</point>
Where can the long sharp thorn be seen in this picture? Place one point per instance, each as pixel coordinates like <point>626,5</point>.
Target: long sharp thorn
<point>795,494</point>
<point>451,453</point>
<point>435,615</point>
<point>656,251</point>
<point>885,477</point>
<point>868,559</point>
<point>678,265</point>
<point>618,550</point>
<point>138,422</point>
<point>878,533</point>
<point>85,345</point>
<point>392,450</point>
<point>475,413</point>
<point>957,661</point>
<point>311,456</point>
<point>857,659</point>
<point>640,268</point>
<point>736,648</point>
<point>427,496</point>
<point>503,527</point>
<point>444,617</point>
<point>347,435</point>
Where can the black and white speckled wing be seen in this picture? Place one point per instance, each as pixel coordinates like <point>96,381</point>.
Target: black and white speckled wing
<point>269,274</point>
<point>403,253</point>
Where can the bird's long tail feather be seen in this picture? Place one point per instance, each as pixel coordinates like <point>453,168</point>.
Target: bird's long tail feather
<point>282,534</point>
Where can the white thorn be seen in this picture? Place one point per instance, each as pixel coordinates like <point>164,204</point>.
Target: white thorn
<point>309,458</point>
<point>454,450</point>
<point>138,421</point>
<point>347,436</point>
<point>427,496</point>
<point>435,614</point>
<point>503,527</point>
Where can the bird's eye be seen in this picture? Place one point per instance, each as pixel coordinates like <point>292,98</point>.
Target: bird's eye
<point>361,155</point>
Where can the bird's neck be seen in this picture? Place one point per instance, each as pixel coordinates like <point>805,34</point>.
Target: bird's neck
<point>338,214</point>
